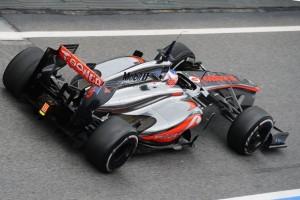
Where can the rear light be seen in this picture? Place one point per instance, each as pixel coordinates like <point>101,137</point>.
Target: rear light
<point>44,109</point>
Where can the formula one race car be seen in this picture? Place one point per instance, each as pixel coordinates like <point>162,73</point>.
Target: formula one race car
<point>127,105</point>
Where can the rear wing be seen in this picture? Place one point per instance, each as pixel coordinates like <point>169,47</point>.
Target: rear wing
<point>79,66</point>
<point>64,55</point>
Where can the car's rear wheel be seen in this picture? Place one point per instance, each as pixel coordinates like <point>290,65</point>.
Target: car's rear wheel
<point>250,130</point>
<point>111,145</point>
<point>20,69</point>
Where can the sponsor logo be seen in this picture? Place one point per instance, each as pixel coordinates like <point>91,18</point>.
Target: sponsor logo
<point>214,78</point>
<point>141,76</point>
<point>80,67</point>
<point>135,76</point>
<point>195,79</point>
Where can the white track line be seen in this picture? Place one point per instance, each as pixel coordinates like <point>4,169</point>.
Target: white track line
<point>270,196</point>
<point>149,32</point>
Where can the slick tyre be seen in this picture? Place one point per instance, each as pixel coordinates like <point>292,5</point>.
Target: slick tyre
<point>250,130</point>
<point>20,69</point>
<point>111,145</point>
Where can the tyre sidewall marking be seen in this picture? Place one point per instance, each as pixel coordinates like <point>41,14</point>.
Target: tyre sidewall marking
<point>116,148</point>
<point>253,131</point>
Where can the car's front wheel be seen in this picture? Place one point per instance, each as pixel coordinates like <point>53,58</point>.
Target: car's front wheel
<point>250,130</point>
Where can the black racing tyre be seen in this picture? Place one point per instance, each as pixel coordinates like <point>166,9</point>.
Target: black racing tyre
<point>20,69</point>
<point>250,130</point>
<point>110,146</point>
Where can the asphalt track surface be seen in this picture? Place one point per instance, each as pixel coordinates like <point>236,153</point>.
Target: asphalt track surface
<point>37,162</point>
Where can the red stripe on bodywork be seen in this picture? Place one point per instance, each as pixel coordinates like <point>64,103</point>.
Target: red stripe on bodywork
<point>244,87</point>
<point>79,66</point>
<point>172,134</point>
<point>219,78</point>
<point>192,104</point>
<point>175,94</point>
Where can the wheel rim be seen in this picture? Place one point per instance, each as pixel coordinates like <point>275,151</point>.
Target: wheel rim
<point>258,136</point>
<point>121,153</point>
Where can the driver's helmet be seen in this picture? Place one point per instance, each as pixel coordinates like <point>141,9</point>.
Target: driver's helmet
<point>171,77</point>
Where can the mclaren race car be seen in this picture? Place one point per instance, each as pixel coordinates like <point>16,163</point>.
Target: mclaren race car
<point>126,105</point>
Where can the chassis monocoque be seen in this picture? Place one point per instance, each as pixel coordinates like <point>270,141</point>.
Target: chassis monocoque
<point>127,105</point>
